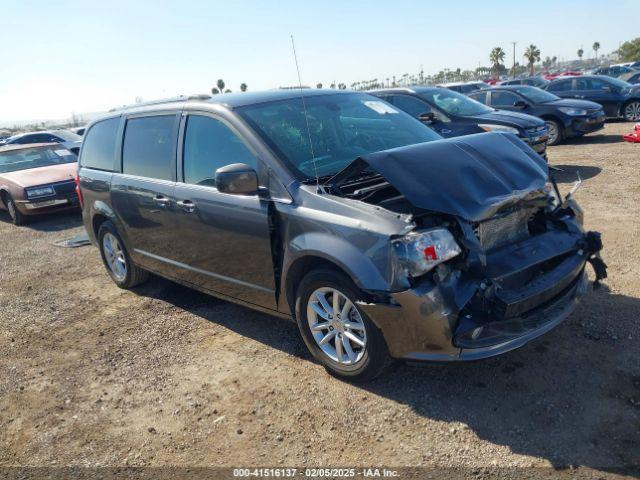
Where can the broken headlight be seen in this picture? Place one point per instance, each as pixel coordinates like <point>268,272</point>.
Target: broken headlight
<point>419,252</point>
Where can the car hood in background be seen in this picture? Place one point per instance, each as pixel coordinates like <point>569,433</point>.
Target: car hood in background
<point>568,102</point>
<point>521,120</point>
<point>42,175</point>
<point>469,177</point>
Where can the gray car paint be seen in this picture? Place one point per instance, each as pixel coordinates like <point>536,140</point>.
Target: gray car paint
<point>350,234</point>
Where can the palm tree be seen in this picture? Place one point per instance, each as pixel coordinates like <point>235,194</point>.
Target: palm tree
<point>554,59</point>
<point>496,57</point>
<point>318,85</point>
<point>214,91</point>
<point>243,87</point>
<point>532,54</point>
<point>580,53</point>
<point>596,47</point>
<point>220,84</point>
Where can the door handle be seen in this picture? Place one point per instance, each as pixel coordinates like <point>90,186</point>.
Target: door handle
<point>161,200</point>
<point>187,206</point>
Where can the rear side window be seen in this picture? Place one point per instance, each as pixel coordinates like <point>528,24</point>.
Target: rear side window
<point>149,147</point>
<point>100,144</point>
<point>208,145</point>
<point>562,86</point>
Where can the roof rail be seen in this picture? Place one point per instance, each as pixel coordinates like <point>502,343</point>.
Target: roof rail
<point>178,98</point>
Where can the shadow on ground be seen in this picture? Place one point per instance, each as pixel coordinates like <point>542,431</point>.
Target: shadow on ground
<point>569,173</point>
<point>595,139</point>
<point>571,397</point>
<point>53,222</point>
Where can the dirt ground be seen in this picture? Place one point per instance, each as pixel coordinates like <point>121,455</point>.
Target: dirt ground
<point>91,375</point>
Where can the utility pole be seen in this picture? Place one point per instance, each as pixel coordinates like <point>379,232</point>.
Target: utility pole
<point>513,69</point>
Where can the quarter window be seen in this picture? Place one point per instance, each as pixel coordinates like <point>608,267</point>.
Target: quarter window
<point>208,145</point>
<point>99,145</point>
<point>149,147</point>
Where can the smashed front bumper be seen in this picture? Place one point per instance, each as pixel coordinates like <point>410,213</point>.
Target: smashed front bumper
<point>441,321</point>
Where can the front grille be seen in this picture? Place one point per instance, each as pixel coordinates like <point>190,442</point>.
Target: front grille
<point>504,229</point>
<point>64,188</point>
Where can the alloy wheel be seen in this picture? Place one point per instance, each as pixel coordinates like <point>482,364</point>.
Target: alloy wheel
<point>632,112</point>
<point>553,132</point>
<point>337,326</point>
<point>114,256</point>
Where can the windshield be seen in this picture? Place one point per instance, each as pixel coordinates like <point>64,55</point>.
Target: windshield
<point>454,103</point>
<point>342,127</point>
<point>536,95</point>
<point>67,136</point>
<point>618,83</point>
<point>25,158</point>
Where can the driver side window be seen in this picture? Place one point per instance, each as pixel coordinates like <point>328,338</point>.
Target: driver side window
<point>412,106</point>
<point>503,99</point>
<point>208,145</point>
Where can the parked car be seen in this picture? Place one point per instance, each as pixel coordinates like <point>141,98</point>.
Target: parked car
<point>633,78</point>
<point>618,98</point>
<point>565,118</point>
<point>36,179</point>
<point>68,139</point>
<point>613,71</point>
<point>78,130</point>
<point>465,87</point>
<point>452,114</point>
<point>568,73</point>
<point>342,213</point>
<point>533,81</point>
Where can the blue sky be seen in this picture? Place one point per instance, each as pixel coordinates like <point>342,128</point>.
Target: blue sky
<point>66,56</point>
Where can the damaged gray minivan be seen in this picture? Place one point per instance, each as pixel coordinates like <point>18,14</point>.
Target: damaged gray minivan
<point>335,209</point>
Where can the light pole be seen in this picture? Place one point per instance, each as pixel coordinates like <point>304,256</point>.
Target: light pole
<point>513,69</point>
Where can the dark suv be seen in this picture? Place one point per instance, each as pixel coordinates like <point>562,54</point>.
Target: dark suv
<point>342,213</point>
<point>452,114</point>
<point>618,98</point>
<point>565,118</point>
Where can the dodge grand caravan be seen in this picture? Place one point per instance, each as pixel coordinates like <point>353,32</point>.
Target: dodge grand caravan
<point>337,210</point>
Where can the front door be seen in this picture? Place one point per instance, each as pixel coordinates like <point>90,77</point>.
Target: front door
<point>143,194</point>
<point>599,91</point>
<point>224,243</point>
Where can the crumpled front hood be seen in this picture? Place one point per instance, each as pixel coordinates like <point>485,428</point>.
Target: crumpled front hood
<point>470,177</point>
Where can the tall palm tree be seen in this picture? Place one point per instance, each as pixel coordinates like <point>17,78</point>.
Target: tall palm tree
<point>580,53</point>
<point>496,57</point>
<point>596,47</point>
<point>243,87</point>
<point>532,54</point>
<point>220,84</point>
<point>214,91</point>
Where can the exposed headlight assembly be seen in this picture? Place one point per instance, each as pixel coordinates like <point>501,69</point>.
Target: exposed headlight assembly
<point>572,111</point>
<point>40,192</point>
<point>490,127</point>
<point>419,252</point>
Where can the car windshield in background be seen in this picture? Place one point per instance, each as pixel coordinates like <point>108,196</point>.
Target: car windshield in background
<point>454,103</point>
<point>536,95</point>
<point>67,136</point>
<point>26,158</point>
<point>618,83</point>
<point>341,128</point>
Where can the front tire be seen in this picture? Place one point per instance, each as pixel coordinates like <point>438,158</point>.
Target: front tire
<point>116,259</point>
<point>555,132</point>
<point>17,217</point>
<point>631,111</point>
<point>336,331</point>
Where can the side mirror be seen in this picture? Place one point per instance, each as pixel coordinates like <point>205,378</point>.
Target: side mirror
<point>427,117</point>
<point>237,179</point>
<point>521,104</point>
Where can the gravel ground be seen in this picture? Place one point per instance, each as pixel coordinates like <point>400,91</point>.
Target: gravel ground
<point>91,375</point>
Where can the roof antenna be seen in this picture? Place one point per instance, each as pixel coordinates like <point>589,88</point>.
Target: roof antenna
<point>306,118</point>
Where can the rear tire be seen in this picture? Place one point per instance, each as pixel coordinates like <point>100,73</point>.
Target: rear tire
<point>17,217</point>
<point>631,111</point>
<point>555,132</point>
<point>356,340</point>
<point>116,259</point>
